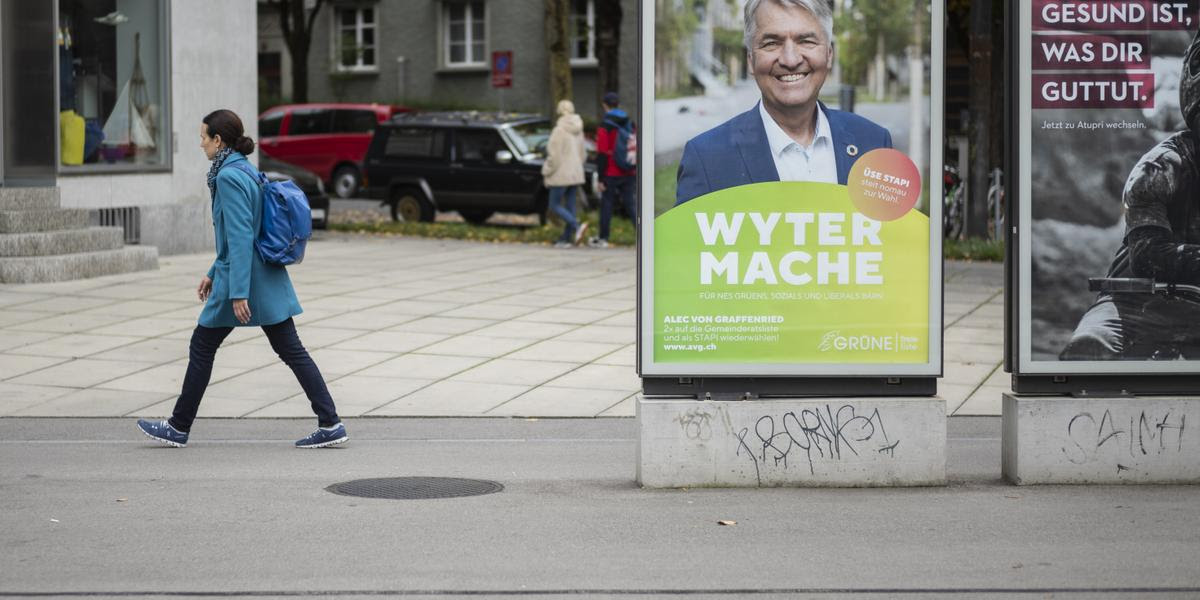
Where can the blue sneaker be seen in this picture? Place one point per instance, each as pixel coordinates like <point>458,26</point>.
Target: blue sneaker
<point>323,437</point>
<point>163,432</point>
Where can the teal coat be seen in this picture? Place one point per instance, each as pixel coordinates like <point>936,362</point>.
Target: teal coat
<point>239,272</point>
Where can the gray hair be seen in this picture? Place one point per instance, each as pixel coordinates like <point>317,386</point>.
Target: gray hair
<point>817,8</point>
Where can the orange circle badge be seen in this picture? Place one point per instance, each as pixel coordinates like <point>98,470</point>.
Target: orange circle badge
<point>884,184</point>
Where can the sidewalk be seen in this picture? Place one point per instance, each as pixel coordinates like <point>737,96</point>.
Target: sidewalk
<point>399,327</point>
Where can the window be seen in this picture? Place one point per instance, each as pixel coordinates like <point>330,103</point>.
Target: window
<point>353,121</point>
<point>465,34</point>
<point>478,145</point>
<point>356,39</point>
<point>311,122</point>
<point>530,137</point>
<point>582,34</point>
<point>268,126</point>
<point>114,101</point>
<point>416,142</point>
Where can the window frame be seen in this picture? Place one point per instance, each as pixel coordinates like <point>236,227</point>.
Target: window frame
<point>300,113</point>
<point>359,26</point>
<point>166,93</point>
<point>434,134</point>
<point>468,40</point>
<point>590,16</point>
<point>272,114</point>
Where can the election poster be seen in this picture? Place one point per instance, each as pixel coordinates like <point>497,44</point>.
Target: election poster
<point>1109,187</point>
<point>787,229</point>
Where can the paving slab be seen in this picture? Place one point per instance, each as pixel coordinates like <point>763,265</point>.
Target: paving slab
<point>76,345</point>
<point>93,402</point>
<point>12,365</point>
<point>407,314</point>
<point>506,370</point>
<point>82,373</point>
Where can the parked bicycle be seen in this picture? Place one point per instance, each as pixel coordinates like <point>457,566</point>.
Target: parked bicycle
<point>953,203</point>
<point>995,204</point>
<point>954,208</point>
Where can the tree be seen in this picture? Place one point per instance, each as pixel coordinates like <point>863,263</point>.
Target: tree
<point>557,44</point>
<point>871,30</point>
<point>297,35</point>
<point>982,117</point>
<point>608,46</point>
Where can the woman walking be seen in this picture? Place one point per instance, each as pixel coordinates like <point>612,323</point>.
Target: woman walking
<point>563,171</point>
<point>241,290</point>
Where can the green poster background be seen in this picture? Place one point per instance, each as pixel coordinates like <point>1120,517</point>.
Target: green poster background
<point>757,322</point>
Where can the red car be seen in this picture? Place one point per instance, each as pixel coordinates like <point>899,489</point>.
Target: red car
<point>327,139</point>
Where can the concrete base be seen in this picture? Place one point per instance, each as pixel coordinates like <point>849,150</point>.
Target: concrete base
<point>1057,440</point>
<point>66,267</point>
<point>817,442</point>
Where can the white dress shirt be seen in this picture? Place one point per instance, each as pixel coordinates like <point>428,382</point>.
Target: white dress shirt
<point>793,162</point>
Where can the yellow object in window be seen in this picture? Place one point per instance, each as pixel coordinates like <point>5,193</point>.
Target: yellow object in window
<point>71,128</point>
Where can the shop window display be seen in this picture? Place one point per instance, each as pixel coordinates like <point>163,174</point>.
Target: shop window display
<point>112,85</point>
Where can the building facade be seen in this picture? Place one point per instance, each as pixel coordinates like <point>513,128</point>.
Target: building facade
<point>130,81</point>
<point>437,54</point>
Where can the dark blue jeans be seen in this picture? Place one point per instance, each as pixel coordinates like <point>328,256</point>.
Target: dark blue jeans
<point>285,342</point>
<point>615,187</point>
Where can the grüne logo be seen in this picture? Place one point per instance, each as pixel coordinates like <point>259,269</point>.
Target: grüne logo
<point>827,341</point>
<point>834,340</point>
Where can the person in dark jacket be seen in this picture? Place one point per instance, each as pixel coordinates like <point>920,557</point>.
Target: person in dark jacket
<point>1162,242</point>
<point>615,182</point>
<point>242,290</point>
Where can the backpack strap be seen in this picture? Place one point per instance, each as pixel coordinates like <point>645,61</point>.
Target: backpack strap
<point>254,174</point>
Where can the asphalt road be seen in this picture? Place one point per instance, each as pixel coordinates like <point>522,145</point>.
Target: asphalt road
<point>90,508</point>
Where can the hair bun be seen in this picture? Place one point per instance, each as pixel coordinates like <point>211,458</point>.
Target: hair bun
<point>244,145</point>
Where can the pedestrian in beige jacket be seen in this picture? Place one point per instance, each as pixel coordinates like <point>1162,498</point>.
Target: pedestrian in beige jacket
<point>563,171</point>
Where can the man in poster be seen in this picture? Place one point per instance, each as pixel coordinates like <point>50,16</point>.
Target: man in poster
<point>1162,242</point>
<point>790,135</point>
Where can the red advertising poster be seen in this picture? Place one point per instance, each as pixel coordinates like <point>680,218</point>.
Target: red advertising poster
<point>502,69</point>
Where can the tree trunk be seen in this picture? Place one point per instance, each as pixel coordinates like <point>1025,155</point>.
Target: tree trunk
<point>979,107</point>
<point>880,86</point>
<point>297,29</point>
<point>556,45</point>
<point>299,74</point>
<point>608,47</point>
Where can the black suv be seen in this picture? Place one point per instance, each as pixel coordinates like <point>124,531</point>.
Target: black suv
<point>474,163</point>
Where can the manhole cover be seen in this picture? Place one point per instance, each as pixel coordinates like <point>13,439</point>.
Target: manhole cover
<point>415,488</point>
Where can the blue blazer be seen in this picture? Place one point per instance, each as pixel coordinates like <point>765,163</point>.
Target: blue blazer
<point>736,152</point>
<point>239,272</point>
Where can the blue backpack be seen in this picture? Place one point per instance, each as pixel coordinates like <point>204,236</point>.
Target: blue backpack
<point>286,220</point>
<point>625,146</point>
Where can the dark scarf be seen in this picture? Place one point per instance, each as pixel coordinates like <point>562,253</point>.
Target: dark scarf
<point>218,160</point>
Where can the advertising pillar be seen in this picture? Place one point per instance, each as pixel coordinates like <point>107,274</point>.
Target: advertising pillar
<point>790,245</point>
<point>1106,259</point>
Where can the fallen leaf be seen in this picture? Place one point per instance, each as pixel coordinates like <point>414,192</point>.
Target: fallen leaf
<point>726,522</point>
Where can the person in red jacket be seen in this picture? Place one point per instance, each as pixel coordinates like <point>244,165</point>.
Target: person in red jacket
<point>614,181</point>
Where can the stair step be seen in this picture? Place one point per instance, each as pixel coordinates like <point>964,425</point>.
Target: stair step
<point>29,221</point>
<point>29,198</point>
<point>65,267</point>
<point>68,241</point>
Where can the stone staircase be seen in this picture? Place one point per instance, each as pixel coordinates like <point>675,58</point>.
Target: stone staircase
<point>41,242</point>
